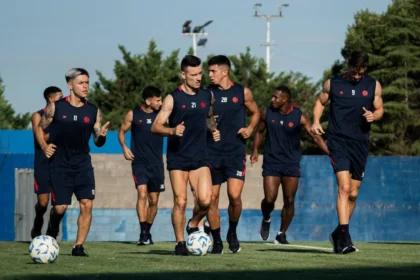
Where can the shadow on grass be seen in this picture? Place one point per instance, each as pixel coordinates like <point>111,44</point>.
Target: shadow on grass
<point>377,273</point>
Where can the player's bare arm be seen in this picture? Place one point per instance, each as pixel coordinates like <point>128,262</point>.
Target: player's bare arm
<point>100,130</point>
<point>158,126</point>
<point>255,114</point>
<point>125,126</point>
<point>377,105</point>
<point>46,120</point>
<point>258,138</point>
<point>322,99</point>
<point>318,140</point>
<point>211,122</point>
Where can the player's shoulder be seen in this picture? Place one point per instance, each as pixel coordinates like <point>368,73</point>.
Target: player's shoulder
<point>91,106</point>
<point>370,79</point>
<point>177,91</point>
<point>337,78</point>
<point>237,86</point>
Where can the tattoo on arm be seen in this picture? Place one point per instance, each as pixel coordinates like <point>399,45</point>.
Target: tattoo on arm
<point>211,122</point>
<point>47,118</point>
<point>97,126</point>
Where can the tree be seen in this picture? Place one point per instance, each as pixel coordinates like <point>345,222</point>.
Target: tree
<point>116,97</point>
<point>8,117</point>
<point>392,41</point>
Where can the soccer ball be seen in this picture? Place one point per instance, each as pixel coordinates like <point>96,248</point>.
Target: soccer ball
<point>199,243</point>
<point>43,249</point>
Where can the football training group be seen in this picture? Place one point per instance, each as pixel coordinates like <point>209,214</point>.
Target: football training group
<point>206,129</point>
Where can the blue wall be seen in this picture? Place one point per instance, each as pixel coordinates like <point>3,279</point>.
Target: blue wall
<point>387,209</point>
<point>21,142</point>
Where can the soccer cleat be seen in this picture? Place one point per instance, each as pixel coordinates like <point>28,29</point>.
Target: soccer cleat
<point>150,239</point>
<point>233,242</point>
<point>191,229</point>
<point>53,232</point>
<point>181,249</point>
<point>79,251</point>
<point>281,238</point>
<point>265,230</point>
<point>144,239</point>
<point>217,247</point>
<point>341,243</point>
<point>348,246</point>
<point>351,244</point>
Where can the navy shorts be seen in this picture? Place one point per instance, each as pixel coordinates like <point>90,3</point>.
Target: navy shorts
<point>41,179</point>
<point>348,155</point>
<point>291,170</point>
<point>225,167</point>
<point>151,176</point>
<point>175,164</point>
<point>66,183</point>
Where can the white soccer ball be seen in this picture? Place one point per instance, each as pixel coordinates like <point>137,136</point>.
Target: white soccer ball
<point>199,243</point>
<point>43,249</point>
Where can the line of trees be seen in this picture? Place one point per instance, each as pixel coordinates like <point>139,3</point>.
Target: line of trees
<point>392,40</point>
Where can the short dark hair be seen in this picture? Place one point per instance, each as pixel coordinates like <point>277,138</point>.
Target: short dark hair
<point>285,90</point>
<point>190,61</point>
<point>358,59</point>
<point>219,60</point>
<point>151,91</point>
<point>74,72</point>
<point>50,91</point>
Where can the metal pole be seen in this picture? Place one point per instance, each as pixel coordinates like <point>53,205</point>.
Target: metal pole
<point>194,39</point>
<point>268,44</point>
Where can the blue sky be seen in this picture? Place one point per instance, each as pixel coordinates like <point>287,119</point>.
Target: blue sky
<point>41,40</point>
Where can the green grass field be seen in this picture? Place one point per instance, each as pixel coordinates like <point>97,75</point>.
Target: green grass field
<point>113,260</point>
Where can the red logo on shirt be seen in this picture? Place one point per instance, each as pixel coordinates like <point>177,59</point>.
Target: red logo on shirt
<point>140,121</point>
<point>291,124</point>
<point>183,106</point>
<point>86,119</point>
<point>235,99</point>
<point>273,121</point>
<point>341,92</point>
<point>365,93</point>
<point>64,116</point>
<point>203,105</point>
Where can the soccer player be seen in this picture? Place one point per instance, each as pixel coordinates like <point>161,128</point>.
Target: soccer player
<point>72,120</point>
<point>41,173</point>
<point>228,156</point>
<point>282,155</point>
<point>188,109</point>
<point>355,102</point>
<point>146,157</point>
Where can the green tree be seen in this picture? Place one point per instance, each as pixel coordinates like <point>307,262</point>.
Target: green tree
<point>8,117</point>
<point>116,97</point>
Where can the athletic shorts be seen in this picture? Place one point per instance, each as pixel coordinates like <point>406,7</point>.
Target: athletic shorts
<point>225,167</point>
<point>41,179</point>
<point>151,176</point>
<point>175,164</point>
<point>348,155</point>
<point>290,170</point>
<point>66,183</point>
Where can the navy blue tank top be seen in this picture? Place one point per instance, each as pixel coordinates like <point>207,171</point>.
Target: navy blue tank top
<point>70,131</point>
<point>193,111</point>
<point>282,140</point>
<point>229,106</point>
<point>40,158</point>
<point>346,107</point>
<point>147,147</point>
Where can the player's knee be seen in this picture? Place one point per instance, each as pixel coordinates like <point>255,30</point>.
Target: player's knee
<point>289,201</point>
<point>142,195</point>
<point>270,199</point>
<point>86,206</point>
<point>60,209</point>
<point>344,190</point>
<point>181,203</point>
<point>204,203</point>
<point>353,196</point>
<point>235,199</point>
<point>153,202</point>
<point>43,204</point>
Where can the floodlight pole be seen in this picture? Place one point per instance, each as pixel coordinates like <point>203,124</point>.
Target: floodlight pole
<point>194,34</point>
<point>268,43</point>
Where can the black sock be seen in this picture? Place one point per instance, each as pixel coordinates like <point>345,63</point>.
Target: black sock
<point>232,226</point>
<point>343,229</point>
<point>216,234</point>
<point>149,226</point>
<point>55,220</point>
<point>266,209</point>
<point>143,226</point>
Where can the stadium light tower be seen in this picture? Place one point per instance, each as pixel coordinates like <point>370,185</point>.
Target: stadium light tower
<point>268,43</point>
<point>197,31</point>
